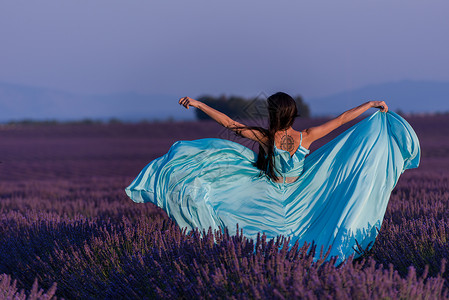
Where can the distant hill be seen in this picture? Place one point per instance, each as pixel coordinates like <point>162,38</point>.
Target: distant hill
<point>18,102</point>
<point>406,95</point>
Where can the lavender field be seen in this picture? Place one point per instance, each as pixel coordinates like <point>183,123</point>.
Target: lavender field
<point>68,230</point>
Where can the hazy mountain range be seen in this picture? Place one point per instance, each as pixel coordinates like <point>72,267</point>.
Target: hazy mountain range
<point>406,95</point>
<point>18,102</point>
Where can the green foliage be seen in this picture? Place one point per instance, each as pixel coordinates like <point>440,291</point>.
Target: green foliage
<point>244,109</point>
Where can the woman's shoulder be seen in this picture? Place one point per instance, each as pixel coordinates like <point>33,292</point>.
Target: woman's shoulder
<point>305,138</point>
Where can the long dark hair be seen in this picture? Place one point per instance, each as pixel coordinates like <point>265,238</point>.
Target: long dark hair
<point>282,112</point>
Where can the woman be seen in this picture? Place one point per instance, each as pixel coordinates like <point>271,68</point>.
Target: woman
<point>335,196</point>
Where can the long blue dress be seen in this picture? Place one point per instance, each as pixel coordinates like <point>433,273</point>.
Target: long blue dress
<point>340,193</point>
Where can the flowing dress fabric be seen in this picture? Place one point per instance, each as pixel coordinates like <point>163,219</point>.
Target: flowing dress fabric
<point>340,194</point>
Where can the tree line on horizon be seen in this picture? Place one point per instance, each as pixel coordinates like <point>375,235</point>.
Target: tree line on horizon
<point>243,108</point>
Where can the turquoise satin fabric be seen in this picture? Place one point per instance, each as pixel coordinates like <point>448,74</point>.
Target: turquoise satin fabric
<point>340,195</point>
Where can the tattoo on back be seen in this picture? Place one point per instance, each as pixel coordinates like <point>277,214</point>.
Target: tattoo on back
<point>287,143</point>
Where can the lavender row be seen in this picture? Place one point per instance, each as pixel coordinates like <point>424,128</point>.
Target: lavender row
<point>152,257</point>
<point>9,290</point>
<point>77,213</point>
<point>416,195</point>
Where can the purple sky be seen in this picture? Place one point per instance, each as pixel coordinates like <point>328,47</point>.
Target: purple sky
<point>313,48</point>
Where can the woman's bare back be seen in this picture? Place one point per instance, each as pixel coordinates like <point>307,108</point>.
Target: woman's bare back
<point>289,140</point>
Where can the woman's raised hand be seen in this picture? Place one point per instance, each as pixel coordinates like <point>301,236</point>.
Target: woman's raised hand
<point>380,104</point>
<point>187,101</point>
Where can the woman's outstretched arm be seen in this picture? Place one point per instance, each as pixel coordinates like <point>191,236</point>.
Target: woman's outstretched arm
<point>224,120</point>
<point>317,132</point>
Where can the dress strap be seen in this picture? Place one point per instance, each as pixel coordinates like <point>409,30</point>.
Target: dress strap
<point>300,141</point>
